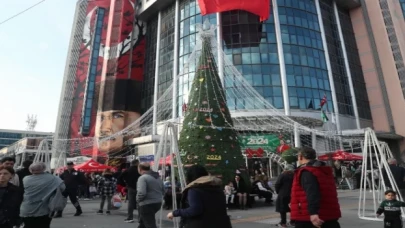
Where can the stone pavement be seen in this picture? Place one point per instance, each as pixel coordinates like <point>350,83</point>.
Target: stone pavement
<point>260,216</point>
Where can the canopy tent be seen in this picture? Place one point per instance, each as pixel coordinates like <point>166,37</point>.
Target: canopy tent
<point>162,161</point>
<point>340,155</point>
<point>92,166</point>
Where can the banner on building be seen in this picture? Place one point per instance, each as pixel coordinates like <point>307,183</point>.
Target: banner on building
<point>108,87</point>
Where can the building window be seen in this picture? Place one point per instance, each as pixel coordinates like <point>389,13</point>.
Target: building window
<point>304,55</point>
<point>92,73</point>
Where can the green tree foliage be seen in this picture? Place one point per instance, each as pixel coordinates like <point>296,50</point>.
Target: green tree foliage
<point>290,155</point>
<point>208,137</point>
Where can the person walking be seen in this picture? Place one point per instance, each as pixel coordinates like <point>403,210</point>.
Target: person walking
<point>38,189</point>
<point>10,199</point>
<point>283,187</point>
<point>150,192</point>
<point>107,186</point>
<point>72,179</point>
<point>130,178</point>
<point>203,201</point>
<point>391,208</point>
<point>314,199</point>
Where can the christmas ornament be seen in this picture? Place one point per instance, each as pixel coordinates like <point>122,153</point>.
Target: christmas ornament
<point>205,102</point>
<point>208,120</point>
<point>207,137</point>
<point>212,149</point>
<point>215,116</point>
<point>219,128</point>
<point>201,79</point>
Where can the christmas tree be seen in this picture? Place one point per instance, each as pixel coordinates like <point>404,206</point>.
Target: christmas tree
<point>208,137</point>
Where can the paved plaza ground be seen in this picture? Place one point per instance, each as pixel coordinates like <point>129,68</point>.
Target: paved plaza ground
<point>260,216</point>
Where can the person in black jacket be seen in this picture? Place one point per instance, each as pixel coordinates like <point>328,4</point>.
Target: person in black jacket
<point>24,172</point>
<point>10,199</point>
<point>203,202</point>
<point>398,173</point>
<point>73,179</point>
<point>283,187</point>
<point>241,191</point>
<point>130,178</point>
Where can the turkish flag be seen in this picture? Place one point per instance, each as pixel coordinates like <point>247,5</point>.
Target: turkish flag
<point>258,7</point>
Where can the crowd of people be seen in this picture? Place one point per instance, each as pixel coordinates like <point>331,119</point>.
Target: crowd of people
<point>307,191</point>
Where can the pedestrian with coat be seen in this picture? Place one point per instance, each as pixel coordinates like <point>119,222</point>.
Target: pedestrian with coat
<point>150,192</point>
<point>10,199</point>
<point>24,172</point>
<point>314,199</point>
<point>107,186</point>
<point>283,187</point>
<point>38,191</point>
<point>72,179</point>
<point>203,202</point>
<point>130,178</point>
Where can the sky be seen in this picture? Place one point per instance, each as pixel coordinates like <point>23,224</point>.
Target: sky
<point>33,50</point>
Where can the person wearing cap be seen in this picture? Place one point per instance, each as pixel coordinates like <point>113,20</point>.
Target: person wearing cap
<point>72,179</point>
<point>283,187</point>
<point>121,106</point>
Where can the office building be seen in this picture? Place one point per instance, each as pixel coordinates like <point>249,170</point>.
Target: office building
<point>8,137</point>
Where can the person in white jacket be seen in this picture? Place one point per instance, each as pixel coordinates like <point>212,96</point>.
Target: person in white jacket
<point>9,162</point>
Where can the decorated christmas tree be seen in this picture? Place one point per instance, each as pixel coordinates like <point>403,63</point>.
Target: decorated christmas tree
<point>208,137</point>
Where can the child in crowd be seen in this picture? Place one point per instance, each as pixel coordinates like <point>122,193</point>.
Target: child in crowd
<point>229,192</point>
<point>391,208</point>
<point>107,186</point>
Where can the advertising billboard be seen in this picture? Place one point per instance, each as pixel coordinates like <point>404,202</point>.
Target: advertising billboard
<point>267,142</point>
<point>109,74</point>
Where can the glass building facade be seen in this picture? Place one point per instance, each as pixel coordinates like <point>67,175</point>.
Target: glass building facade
<point>252,47</point>
<point>402,2</point>
<point>307,75</point>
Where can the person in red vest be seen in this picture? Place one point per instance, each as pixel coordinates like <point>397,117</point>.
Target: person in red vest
<point>282,147</point>
<point>314,199</point>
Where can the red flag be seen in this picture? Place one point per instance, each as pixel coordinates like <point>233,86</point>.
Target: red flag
<point>259,7</point>
<point>323,101</point>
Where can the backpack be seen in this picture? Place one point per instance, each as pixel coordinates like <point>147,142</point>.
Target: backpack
<point>57,201</point>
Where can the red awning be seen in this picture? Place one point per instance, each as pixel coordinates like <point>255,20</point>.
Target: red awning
<point>340,155</point>
<point>92,166</point>
<point>161,161</point>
